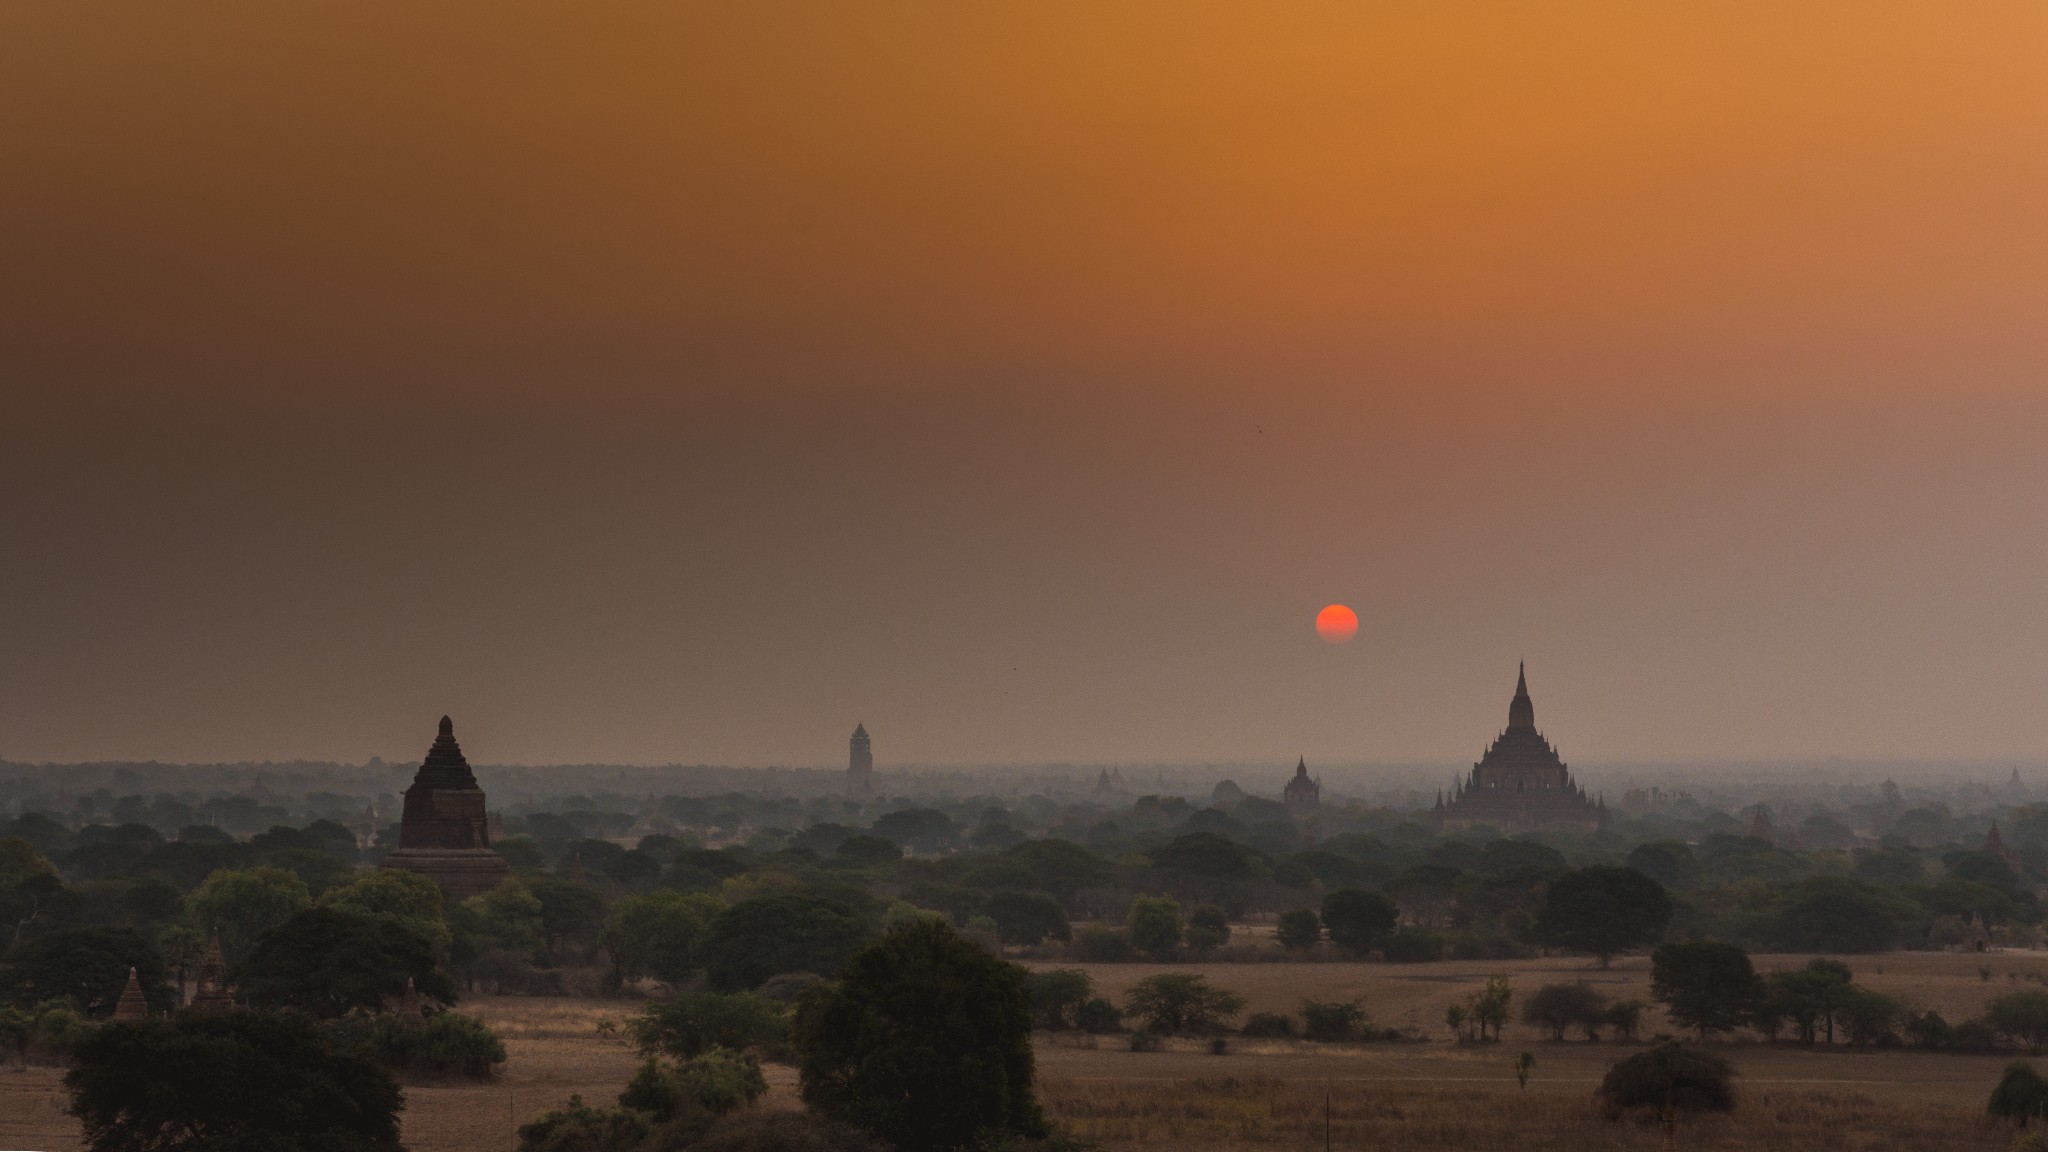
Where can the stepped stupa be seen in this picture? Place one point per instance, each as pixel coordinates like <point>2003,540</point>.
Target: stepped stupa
<point>1520,783</point>
<point>445,833</point>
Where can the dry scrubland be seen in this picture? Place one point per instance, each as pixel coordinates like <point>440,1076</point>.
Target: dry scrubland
<point>1431,1095</point>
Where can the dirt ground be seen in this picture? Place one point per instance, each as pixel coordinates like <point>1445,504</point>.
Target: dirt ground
<point>1432,1094</point>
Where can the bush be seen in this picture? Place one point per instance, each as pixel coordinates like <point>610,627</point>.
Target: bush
<point>1098,945</point>
<point>446,1044</point>
<point>1098,1017</point>
<point>1146,1041</point>
<point>1154,925</point>
<point>1175,1002</point>
<point>1413,946</point>
<point>1339,1020</point>
<point>1300,930</point>
<point>2023,1016</point>
<point>1057,995</point>
<point>721,1080</point>
<point>2021,1094</point>
<point>1624,1017</point>
<point>782,1132</point>
<point>690,1023</point>
<point>1560,1007</point>
<point>1673,1077</point>
<point>581,1128</point>
<point>1208,928</point>
<point>1268,1026</point>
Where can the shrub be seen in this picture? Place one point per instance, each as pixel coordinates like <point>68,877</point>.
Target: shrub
<point>2021,1094</point>
<point>1300,930</point>
<point>1668,1079</point>
<point>1099,945</point>
<point>1413,946</point>
<point>1208,928</point>
<point>721,1080</point>
<point>1154,925</point>
<point>1142,1041</point>
<point>1176,1002</point>
<point>1057,995</point>
<point>1268,1025</point>
<point>687,1024</point>
<point>446,1044</point>
<point>1098,1016</point>
<point>1560,1007</point>
<point>1339,1020</point>
<point>2023,1016</point>
<point>1624,1017</point>
<point>581,1128</point>
<point>782,1132</point>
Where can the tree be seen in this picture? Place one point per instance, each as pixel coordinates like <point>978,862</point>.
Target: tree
<point>656,935</point>
<point>408,896</point>
<point>1669,1080</point>
<point>86,967</point>
<point>1870,1017</point>
<point>329,962</point>
<point>1208,927</point>
<point>242,905</point>
<point>770,935</point>
<point>868,851</point>
<point>1837,917</point>
<point>1808,997</point>
<point>1356,920</point>
<point>1300,930</point>
<point>1176,1002</point>
<point>1057,996</point>
<point>1560,1007</point>
<point>1489,1009</point>
<point>1209,856</point>
<point>1704,985</point>
<point>1603,910</point>
<point>1333,1020</point>
<point>1624,1017</point>
<point>1154,925</point>
<point>918,829</point>
<point>1668,862</point>
<point>568,911</point>
<point>230,1082</point>
<point>1027,918</point>
<point>506,917</point>
<point>2023,1016</point>
<point>2021,1095</point>
<point>925,1043</point>
<point>692,1022</point>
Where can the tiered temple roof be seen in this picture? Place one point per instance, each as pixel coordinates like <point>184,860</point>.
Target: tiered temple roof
<point>1520,783</point>
<point>1302,794</point>
<point>211,994</point>
<point>132,1005</point>
<point>445,832</point>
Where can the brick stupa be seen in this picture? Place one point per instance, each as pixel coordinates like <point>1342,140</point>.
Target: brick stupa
<point>211,994</point>
<point>445,834</point>
<point>132,1005</point>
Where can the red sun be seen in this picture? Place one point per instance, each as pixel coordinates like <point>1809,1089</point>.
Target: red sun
<point>1336,624</point>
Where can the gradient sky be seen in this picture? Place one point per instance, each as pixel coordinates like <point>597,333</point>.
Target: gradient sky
<point>684,382</point>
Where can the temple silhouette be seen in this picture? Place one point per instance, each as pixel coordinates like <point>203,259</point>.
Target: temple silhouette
<point>445,833</point>
<point>860,763</point>
<point>1520,784</point>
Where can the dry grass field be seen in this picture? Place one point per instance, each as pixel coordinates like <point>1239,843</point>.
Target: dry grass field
<point>1432,1095</point>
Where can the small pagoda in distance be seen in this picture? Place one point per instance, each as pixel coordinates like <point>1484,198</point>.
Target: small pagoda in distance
<point>445,834</point>
<point>1520,784</point>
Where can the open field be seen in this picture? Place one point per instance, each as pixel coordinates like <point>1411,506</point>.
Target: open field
<point>1433,1095</point>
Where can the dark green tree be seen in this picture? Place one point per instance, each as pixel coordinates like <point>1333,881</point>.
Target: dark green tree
<point>1208,927</point>
<point>1704,985</point>
<point>230,1082</point>
<point>770,935</point>
<point>691,1022</point>
<point>925,1042</point>
<point>1561,1007</point>
<point>333,961</point>
<point>2022,1016</point>
<point>2021,1095</point>
<point>87,967</point>
<point>1669,1080</point>
<point>1357,921</point>
<point>1027,918</point>
<point>1176,1002</point>
<point>1603,910</point>
<point>1299,929</point>
<point>1057,996</point>
<point>1155,925</point>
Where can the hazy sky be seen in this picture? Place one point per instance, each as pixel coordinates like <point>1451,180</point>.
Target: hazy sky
<point>685,382</point>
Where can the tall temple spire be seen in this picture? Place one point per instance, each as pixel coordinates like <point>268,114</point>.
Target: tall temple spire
<point>1521,710</point>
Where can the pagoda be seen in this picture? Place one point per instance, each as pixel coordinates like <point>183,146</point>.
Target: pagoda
<point>445,834</point>
<point>1520,784</point>
<point>1302,794</point>
<point>211,994</point>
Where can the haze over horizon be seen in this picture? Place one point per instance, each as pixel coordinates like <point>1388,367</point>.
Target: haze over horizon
<point>661,385</point>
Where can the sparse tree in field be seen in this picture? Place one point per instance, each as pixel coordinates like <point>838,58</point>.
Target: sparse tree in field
<point>2022,1016</point>
<point>1175,1002</point>
<point>1335,1020</point>
<point>1490,1007</point>
<point>1704,985</point>
<point>1560,1007</point>
<point>1870,1017</point>
<point>1154,924</point>
<point>1300,930</point>
<point>1356,921</point>
<point>1208,928</point>
<point>1670,1080</point>
<point>1624,1017</point>
<point>925,1042</point>
<point>1603,910</point>
<point>2021,1095</point>
<point>1455,1017</point>
<point>230,1082</point>
<point>1057,995</point>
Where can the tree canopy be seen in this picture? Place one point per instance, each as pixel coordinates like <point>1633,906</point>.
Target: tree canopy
<point>1603,910</point>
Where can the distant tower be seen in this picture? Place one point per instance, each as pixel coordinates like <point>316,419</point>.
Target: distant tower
<point>1302,794</point>
<point>860,763</point>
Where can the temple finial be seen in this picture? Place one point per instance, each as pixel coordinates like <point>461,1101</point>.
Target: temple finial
<point>447,726</point>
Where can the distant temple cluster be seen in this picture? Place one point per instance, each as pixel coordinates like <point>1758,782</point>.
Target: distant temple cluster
<point>1520,783</point>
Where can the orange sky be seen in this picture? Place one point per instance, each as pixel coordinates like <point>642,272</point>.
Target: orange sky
<point>688,381</point>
